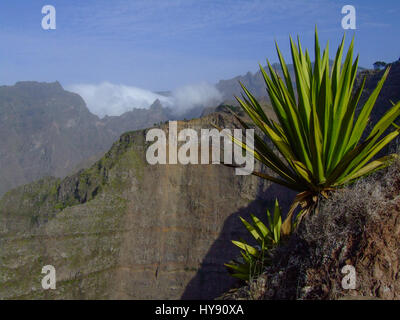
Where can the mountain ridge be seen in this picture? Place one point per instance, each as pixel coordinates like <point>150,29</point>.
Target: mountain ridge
<point>49,131</point>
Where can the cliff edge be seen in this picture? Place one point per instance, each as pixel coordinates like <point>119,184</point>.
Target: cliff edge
<point>358,227</point>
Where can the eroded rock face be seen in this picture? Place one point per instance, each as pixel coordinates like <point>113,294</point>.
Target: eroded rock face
<point>126,229</point>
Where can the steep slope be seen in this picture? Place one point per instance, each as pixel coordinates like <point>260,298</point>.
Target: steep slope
<point>125,229</point>
<point>253,82</point>
<point>360,227</point>
<point>46,130</point>
<point>135,119</point>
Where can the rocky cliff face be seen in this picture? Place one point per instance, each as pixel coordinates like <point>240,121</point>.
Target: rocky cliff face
<point>44,131</point>
<point>126,229</point>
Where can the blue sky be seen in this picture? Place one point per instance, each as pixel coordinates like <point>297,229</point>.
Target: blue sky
<point>161,45</point>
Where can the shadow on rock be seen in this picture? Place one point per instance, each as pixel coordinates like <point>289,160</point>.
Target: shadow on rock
<point>212,279</point>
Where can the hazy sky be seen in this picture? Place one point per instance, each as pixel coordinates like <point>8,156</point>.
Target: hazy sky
<point>161,45</point>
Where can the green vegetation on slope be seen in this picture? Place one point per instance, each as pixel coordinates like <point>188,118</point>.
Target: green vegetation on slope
<point>43,199</point>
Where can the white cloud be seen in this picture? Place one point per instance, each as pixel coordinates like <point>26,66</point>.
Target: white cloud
<point>190,96</point>
<point>115,99</point>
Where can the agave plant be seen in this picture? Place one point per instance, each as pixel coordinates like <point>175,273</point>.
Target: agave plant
<point>254,259</point>
<point>320,140</point>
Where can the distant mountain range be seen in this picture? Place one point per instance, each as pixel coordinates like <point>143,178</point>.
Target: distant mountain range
<point>47,131</point>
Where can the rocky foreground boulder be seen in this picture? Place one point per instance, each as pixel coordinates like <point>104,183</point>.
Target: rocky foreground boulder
<point>360,227</point>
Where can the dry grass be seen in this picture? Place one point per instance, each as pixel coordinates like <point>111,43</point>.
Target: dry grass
<point>348,211</point>
<point>308,267</point>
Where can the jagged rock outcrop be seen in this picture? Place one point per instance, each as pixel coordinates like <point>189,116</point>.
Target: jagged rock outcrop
<point>126,229</point>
